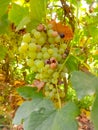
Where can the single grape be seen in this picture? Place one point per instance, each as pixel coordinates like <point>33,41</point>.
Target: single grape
<point>37,34</point>
<point>32,47</point>
<point>39,63</point>
<point>30,62</point>
<point>57,39</point>
<point>32,55</point>
<point>26,37</point>
<point>50,32</point>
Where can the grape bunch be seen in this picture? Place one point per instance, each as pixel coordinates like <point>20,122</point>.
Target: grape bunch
<point>45,52</point>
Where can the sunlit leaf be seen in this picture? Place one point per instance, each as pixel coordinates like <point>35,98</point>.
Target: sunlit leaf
<point>3,6</point>
<point>38,11</point>
<point>17,14</point>
<point>55,119</point>
<point>23,23</point>
<point>4,24</point>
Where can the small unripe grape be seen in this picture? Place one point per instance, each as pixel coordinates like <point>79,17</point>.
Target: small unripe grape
<point>32,47</point>
<point>57,39</point>
<point>37,35</point>
<point>50,51</point>
<point>23,48</point>
<point>50,32</point>
<point>30,62</point>
<point>39,63</point>
<point>27,37</point>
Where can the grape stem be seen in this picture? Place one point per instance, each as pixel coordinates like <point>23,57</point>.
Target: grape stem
<point>59,100</point>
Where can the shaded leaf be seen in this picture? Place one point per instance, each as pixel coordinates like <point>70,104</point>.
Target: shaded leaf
<point>83,83</point>
<point>29,92</point>
<point>25,110</point>
<point>55,120</point>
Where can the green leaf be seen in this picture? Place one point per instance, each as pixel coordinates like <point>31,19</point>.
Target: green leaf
<point>29,92</point>
<point>3,6</point>
<point>84,84</point>
<point>94,112</point>
<point>23,22</point>
<point>72,63</point>
<point>38,10</point>
<point>17,14</point>
<point>4,24</point>
<point>55,120</point>
<point>3,51</point>
<point>25,110</point>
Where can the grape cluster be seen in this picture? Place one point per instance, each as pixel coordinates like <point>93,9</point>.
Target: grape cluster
<point>44,50</point>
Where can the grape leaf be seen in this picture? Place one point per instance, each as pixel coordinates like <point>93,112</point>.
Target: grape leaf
<point>72,63</point>
<point>3,6</point>
<point>28,92</point>
<point>17,14</point>
<point>84,84</point>
<point>94,112</point>
<point>55,120</point>
<point>28,107</point>
<point>4,24</point>
<point>38,10</point>
<point>23,22</point>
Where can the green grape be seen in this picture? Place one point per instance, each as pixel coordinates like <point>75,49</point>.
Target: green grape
<point>30,62</point>
<point>55,75</point>
<point>51,86</point>
<point>41,40</point>
<point>32,54</point>
<point>32,47</point>
<point>46,55</point>
<point>39,63</point>
<point>26,37</point>
<point>63,46</point>
<point>24,46</point>
<point>58,57</point>
<point>44,49</point>
<point>57,39</point>
<point>51,40</point>
<point>33,31</point>
<point>50,51</point>
<point>61,51</point>
<point>39,55</point>
<point>37,34</point>
<point>34,68</point>
<point>50,32</point>
<point>47,93</point>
